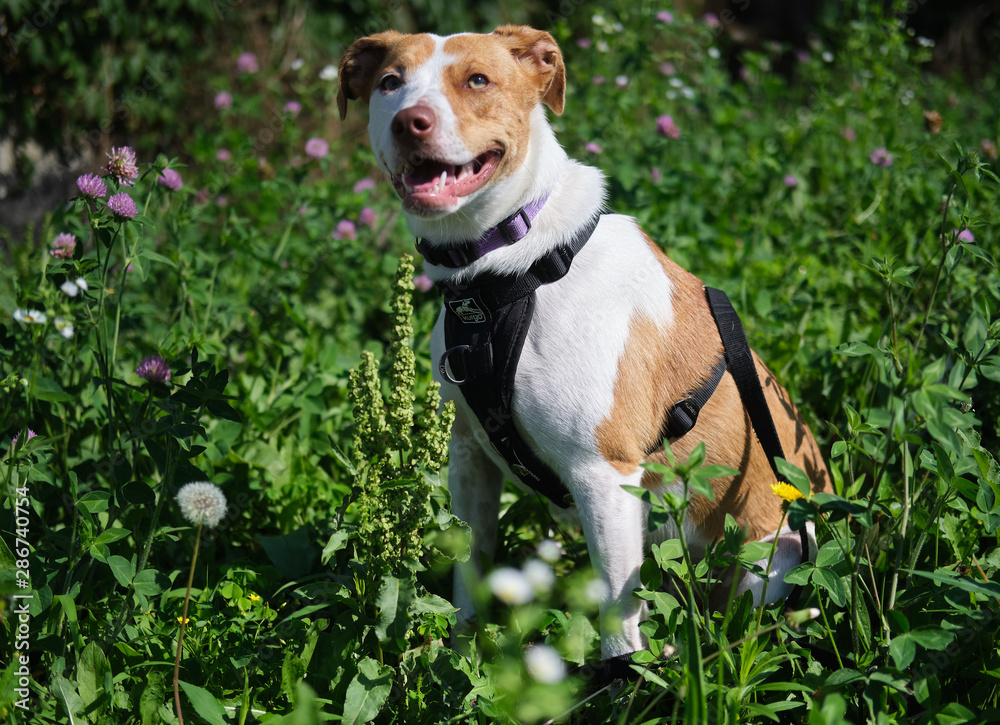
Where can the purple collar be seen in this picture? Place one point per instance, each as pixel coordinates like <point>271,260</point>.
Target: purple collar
<point>508,231</point>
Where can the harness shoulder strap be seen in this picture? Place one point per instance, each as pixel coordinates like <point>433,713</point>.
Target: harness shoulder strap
<point>744,372</point>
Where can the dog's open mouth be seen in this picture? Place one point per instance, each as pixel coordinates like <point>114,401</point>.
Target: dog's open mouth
<point>433,184</point>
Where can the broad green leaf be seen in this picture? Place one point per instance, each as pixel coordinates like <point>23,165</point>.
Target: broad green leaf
<point>63,689</point>
<point>49,390</point>
<point>293,669</point>
<point>833,583</point>
<point>393,603</point>
<point>650,575</point>
<point>109,536</point>
<point>204,703</point>
<point>150,582</point>
<point>942,576</point>
<point>932,637</point>
<point>152,697</point>
<point>795,476</point>
<point>829,554</point>
<point>432,604</point>
<point>338,540</point>
<point>800,511</point>
<point>95,501</point>
<point>903,649</point>
<point>92,667</point>
<point>367,692</point>
<point>840,678</point>
<point>800,574</point>
<point>123,569</point>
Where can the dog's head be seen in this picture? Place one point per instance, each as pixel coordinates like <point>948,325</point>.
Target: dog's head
<point>450,117</point>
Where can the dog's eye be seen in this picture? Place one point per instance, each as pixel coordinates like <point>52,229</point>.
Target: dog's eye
<point>478,81</point>
<point>390,83</point>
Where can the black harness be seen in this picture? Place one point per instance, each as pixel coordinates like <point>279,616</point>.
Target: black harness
<point>485,328</point>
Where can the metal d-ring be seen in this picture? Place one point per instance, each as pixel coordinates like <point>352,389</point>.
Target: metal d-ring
<point>443,365</point>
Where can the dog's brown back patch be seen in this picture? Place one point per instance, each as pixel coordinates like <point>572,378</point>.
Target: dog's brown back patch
<point>659,366</point>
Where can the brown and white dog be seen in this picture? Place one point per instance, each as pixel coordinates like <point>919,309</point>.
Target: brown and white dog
<point>459,126</point>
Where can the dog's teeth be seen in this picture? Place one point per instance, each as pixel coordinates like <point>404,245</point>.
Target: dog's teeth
<point>444,179</point>
<point>464,170</point>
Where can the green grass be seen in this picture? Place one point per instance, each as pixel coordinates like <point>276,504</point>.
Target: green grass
<point>323,591</point>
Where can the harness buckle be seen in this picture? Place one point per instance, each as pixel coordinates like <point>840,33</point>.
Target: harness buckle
<point>509,234</point>
<point>446,361</point>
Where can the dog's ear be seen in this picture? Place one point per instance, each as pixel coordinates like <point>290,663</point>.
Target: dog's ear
<point>539,54</point>
<point>358,68</point>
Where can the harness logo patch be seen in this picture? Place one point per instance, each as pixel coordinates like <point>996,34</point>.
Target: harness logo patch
<point>468,311</point>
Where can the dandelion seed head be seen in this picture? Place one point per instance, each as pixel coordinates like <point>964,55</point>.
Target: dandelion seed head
<point>202,502</point>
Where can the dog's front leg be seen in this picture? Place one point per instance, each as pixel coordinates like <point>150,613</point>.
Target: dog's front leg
<point>614,523</point>
<point>475,483</point>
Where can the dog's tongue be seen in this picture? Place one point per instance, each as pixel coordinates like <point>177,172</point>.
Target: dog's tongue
<point>435,177</point>
<point>434,183</point>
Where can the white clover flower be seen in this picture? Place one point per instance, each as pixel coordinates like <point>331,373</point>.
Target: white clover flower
<point>70,288</point>
<point>713,52</point>
<point>602,45</point>
<point>617,27</point>
<point>544,664</point>
<point>297,63</point>
<point>676,82</point>
<point>202,501</point>
<point>329,73</point>
<point>64,326</point>
<point>598,19</point>
<point>511,586</point>
<point>549,550</point>
<point>30,317</point>
<point>539,575</point>
<point>687,92</point>
<point>925,42</point>
<point>827,56</point>
<point>621,81</point>
<point>81,283</point>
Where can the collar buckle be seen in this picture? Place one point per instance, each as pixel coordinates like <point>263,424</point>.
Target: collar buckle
<point>511,233</point>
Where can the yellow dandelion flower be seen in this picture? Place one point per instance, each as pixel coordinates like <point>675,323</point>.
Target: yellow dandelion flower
<point>254,597</point>
<point>183,620</point>
<point>786,491</point>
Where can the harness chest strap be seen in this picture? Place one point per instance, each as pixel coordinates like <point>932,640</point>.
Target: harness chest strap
<point>485,329</point>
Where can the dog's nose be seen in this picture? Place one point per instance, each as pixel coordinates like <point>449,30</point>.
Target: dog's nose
<point>415,121</point>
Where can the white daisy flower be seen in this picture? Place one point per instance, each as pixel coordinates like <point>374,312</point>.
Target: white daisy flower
<point>511,586</point>
<point>539,575</point>
<point>544,664</point>
<point>30,317</point>
<point>70,288</point>
<point>329,73</point>
<point>64,326</point>
<point>549,550</point>
<point>297,63</point>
